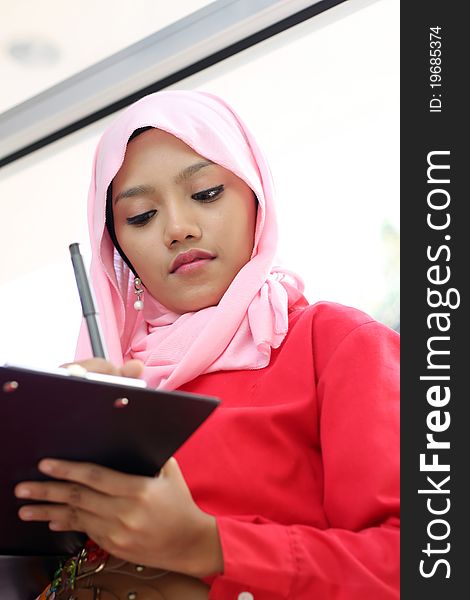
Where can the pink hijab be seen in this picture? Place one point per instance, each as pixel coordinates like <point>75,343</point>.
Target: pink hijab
<point>252,316</point>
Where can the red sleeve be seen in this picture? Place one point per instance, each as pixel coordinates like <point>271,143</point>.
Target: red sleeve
<point>357,557</point>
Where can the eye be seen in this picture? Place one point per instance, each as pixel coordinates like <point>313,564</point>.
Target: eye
<point>208,195</point>
<point>142,219</point>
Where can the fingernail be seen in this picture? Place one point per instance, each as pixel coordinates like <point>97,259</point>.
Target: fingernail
<point>26,514</point>
<point>54,525</point>
<point>22,492</point>
<point>46,466</point>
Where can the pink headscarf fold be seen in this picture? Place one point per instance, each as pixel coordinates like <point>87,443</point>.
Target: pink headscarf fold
<point>252,316</point>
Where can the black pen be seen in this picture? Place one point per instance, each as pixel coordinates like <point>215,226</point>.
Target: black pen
<point>88,306</point>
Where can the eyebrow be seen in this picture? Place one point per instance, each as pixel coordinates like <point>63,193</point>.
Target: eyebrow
<point>147,190</point>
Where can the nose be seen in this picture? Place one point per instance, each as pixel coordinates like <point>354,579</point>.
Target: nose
<point>180,224</point>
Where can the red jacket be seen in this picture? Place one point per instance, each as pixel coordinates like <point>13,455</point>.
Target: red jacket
<point>300,464</point>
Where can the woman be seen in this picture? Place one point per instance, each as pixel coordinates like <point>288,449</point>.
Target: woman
<point>290,489</point>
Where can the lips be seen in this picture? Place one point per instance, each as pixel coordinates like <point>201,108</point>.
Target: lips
<point>188,257</point>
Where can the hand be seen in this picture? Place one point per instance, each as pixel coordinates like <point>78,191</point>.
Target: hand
<point>144,520</point>
<point>132,368</point>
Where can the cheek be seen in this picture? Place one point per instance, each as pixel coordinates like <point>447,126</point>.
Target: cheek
<point>247,225</point>
<point>128,245</point>
<point>240,230</point>
<point>138,246</point>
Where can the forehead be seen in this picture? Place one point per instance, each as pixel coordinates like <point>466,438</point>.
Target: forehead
<point>156,142</point>
<point>155,152</point>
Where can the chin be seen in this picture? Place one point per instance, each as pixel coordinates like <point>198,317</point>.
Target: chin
<point>198,304</point>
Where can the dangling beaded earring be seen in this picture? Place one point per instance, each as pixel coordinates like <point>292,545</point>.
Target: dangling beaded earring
<point>139,303</point>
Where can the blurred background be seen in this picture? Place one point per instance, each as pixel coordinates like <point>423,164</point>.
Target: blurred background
<point>317,82</point>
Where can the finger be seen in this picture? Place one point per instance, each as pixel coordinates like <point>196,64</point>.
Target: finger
<point>95,365</point>
<point>72,494</point>
<point>96,477</point>
<point>63,518</point>
<point>43,512</point>
<point>81,520</point>
<point>105,533</point>
<point>132,368</point>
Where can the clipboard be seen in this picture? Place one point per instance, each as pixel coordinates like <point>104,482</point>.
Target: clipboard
<point>112,421</point>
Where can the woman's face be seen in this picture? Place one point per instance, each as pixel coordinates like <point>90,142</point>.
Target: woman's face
<point>167,200</point>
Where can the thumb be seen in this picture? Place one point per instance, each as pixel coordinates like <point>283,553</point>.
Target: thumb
<point>171,469</point>
<point>171,475</point>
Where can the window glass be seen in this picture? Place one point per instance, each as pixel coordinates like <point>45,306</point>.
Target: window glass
<point>58,39</point>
